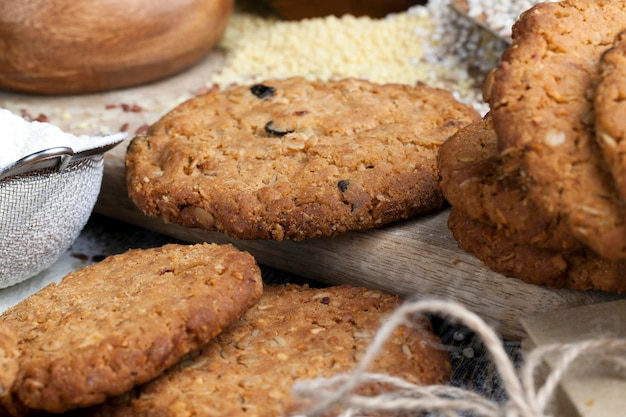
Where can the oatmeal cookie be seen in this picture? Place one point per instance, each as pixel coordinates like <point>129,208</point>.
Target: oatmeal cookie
<point>578,270</point>
<point>482,183</point>
<point>294,159</point>
<point>294,333</point>
<point>9,365</point>
<point>610,111</point>
<point>125,320</point>
<point>541,101</point>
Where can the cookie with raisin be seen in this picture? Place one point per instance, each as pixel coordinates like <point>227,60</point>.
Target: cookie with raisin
<point>295,159</point>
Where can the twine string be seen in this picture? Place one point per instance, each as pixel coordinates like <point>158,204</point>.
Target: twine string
<point>525,398</point>
<point>612,350</point>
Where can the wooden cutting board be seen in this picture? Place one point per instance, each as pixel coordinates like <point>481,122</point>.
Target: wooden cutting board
<point>416,258</point>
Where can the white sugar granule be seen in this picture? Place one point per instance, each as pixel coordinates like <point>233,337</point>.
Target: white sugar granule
<point>20,138</point>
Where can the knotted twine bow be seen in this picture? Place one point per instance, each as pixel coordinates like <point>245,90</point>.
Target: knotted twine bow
<point>525,398</point>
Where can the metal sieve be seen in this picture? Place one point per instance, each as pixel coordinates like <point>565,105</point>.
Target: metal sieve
<point>45,201</point>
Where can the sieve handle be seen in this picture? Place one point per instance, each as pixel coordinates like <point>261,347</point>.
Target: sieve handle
<point>57,158</point>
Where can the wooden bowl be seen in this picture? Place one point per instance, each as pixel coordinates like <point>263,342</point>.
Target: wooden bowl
<point>80,46</point>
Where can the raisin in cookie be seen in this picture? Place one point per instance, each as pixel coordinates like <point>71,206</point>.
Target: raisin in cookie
<point>610,110</point>
<point>294,333</point>
<point>294,159</point>
<point>479,181</point>
<point>541,101</point>
<point>125,320</point>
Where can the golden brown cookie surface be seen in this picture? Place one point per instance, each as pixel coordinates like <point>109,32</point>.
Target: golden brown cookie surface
<point>610,111</point>
<point>294,159</point>
<point>579,269</point>
<point>123,321</point>
<point>541,101</point>
<point>293,333</point>
<point>9,365</point>
<point>479,181</point>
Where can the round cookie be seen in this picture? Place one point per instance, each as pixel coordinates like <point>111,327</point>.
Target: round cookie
<point>578,270</point>
<point>294,333</point>
<point>480,182</point>
<point>123,321</point>
<point>541,102</point>
<point>610,111</point>
<point>294,159</point>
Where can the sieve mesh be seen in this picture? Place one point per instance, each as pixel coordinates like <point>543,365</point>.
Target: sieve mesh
<point>41,213</point>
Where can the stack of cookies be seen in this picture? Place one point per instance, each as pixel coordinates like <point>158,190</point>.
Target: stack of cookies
<point>538,187</point>
<point>186,330</point>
